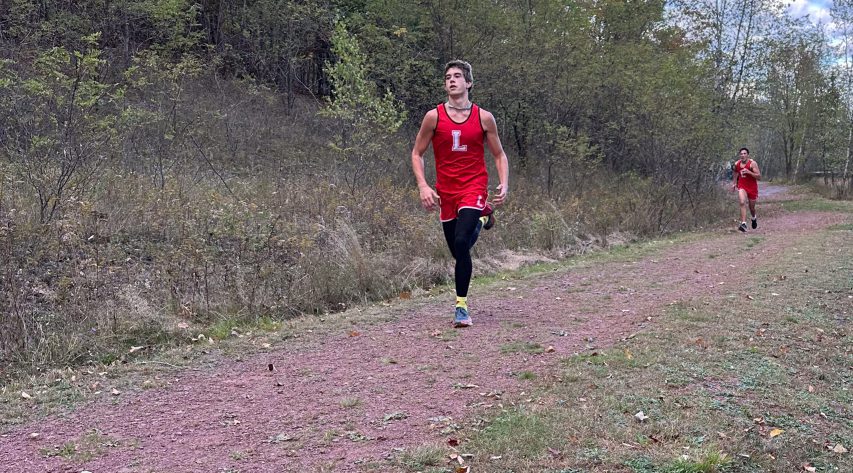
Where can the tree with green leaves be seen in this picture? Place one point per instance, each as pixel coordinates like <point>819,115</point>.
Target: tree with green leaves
<point>60,120</point>
<point>368,120</point>
<point>842,13</point>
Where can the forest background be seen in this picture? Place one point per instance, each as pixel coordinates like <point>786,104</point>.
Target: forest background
<point>169,167</point>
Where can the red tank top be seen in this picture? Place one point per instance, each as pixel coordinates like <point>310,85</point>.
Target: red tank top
<point>460,163</point>
<point>745,181</point>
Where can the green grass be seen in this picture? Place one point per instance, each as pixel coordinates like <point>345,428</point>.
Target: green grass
<point>689,313</point>
<point>842,227</point>
<point>518,434</point>
<point>419,458</point>
<point>527,375</point>
<point>225,327</point>
<point>817,204</point>
<point>89,446</point>
<point>752,242</point>
<point>712,462</point>
<point>522,347</point>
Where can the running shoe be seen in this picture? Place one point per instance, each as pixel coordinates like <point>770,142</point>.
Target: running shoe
<point>485,222</point>
<point>462,318</point>
<point>742,227</point>
<point>488,212</point>
<point>754,223</point>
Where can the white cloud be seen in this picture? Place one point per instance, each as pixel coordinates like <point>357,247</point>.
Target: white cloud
<point>817,10</point>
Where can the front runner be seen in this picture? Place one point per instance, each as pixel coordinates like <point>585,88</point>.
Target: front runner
<point>745,181</point>
<point>457,130</point>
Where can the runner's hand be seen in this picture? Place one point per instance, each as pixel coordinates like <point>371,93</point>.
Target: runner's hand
<point>429,199</point>
<point>501,197</point>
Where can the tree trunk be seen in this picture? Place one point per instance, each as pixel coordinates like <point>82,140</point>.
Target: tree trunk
<point>800,153</point>
<point>846,176</point>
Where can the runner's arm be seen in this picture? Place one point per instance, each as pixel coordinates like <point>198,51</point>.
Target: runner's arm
<point>428,196</point>
<point>735,176</point>
<point>493,140</point>
<point>756,173</point>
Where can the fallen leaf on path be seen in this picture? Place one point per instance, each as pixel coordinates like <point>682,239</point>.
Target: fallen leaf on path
<point>811,388</point>
<point>135,349</point>
<point>839,449</point>
<point>809,467</point>
<point>641,416</point>
<point>462,469</point>
<point>25,395</point>
<point>115,392</point>
<point>550,349</point>
<point>34,436</point>
<point>405,295</point>
<point>628,354</point>
<point>452,441</point>
<point>776,432</point>
<point>353,333</point>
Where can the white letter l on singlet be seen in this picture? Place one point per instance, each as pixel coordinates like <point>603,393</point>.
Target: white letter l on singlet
<point>456,146</point>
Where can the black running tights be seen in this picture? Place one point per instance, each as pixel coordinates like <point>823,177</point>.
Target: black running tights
<point>461,234</point>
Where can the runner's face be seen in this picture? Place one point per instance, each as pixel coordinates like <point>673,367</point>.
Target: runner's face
<point>744,155</point>
<point>454,82</point>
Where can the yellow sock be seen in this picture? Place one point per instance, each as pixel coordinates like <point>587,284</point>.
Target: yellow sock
<point>484,220</point>
<point>462,302</point>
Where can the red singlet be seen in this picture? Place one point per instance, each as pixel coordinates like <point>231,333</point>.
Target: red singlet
<point>745,181</point>
<point>460,165</point>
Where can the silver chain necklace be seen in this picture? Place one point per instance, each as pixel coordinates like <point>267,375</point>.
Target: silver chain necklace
<point>470,104</point>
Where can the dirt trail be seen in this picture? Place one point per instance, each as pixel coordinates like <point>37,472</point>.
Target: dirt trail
<point>409,382</point>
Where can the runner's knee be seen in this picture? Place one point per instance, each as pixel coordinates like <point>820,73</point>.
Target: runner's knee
<point>461,245</point>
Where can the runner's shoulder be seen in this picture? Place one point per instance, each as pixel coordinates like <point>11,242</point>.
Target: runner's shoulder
<point>431,118</point>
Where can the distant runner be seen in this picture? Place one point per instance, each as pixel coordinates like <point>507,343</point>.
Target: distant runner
<point>745,181</point>
<point>458,130</point>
